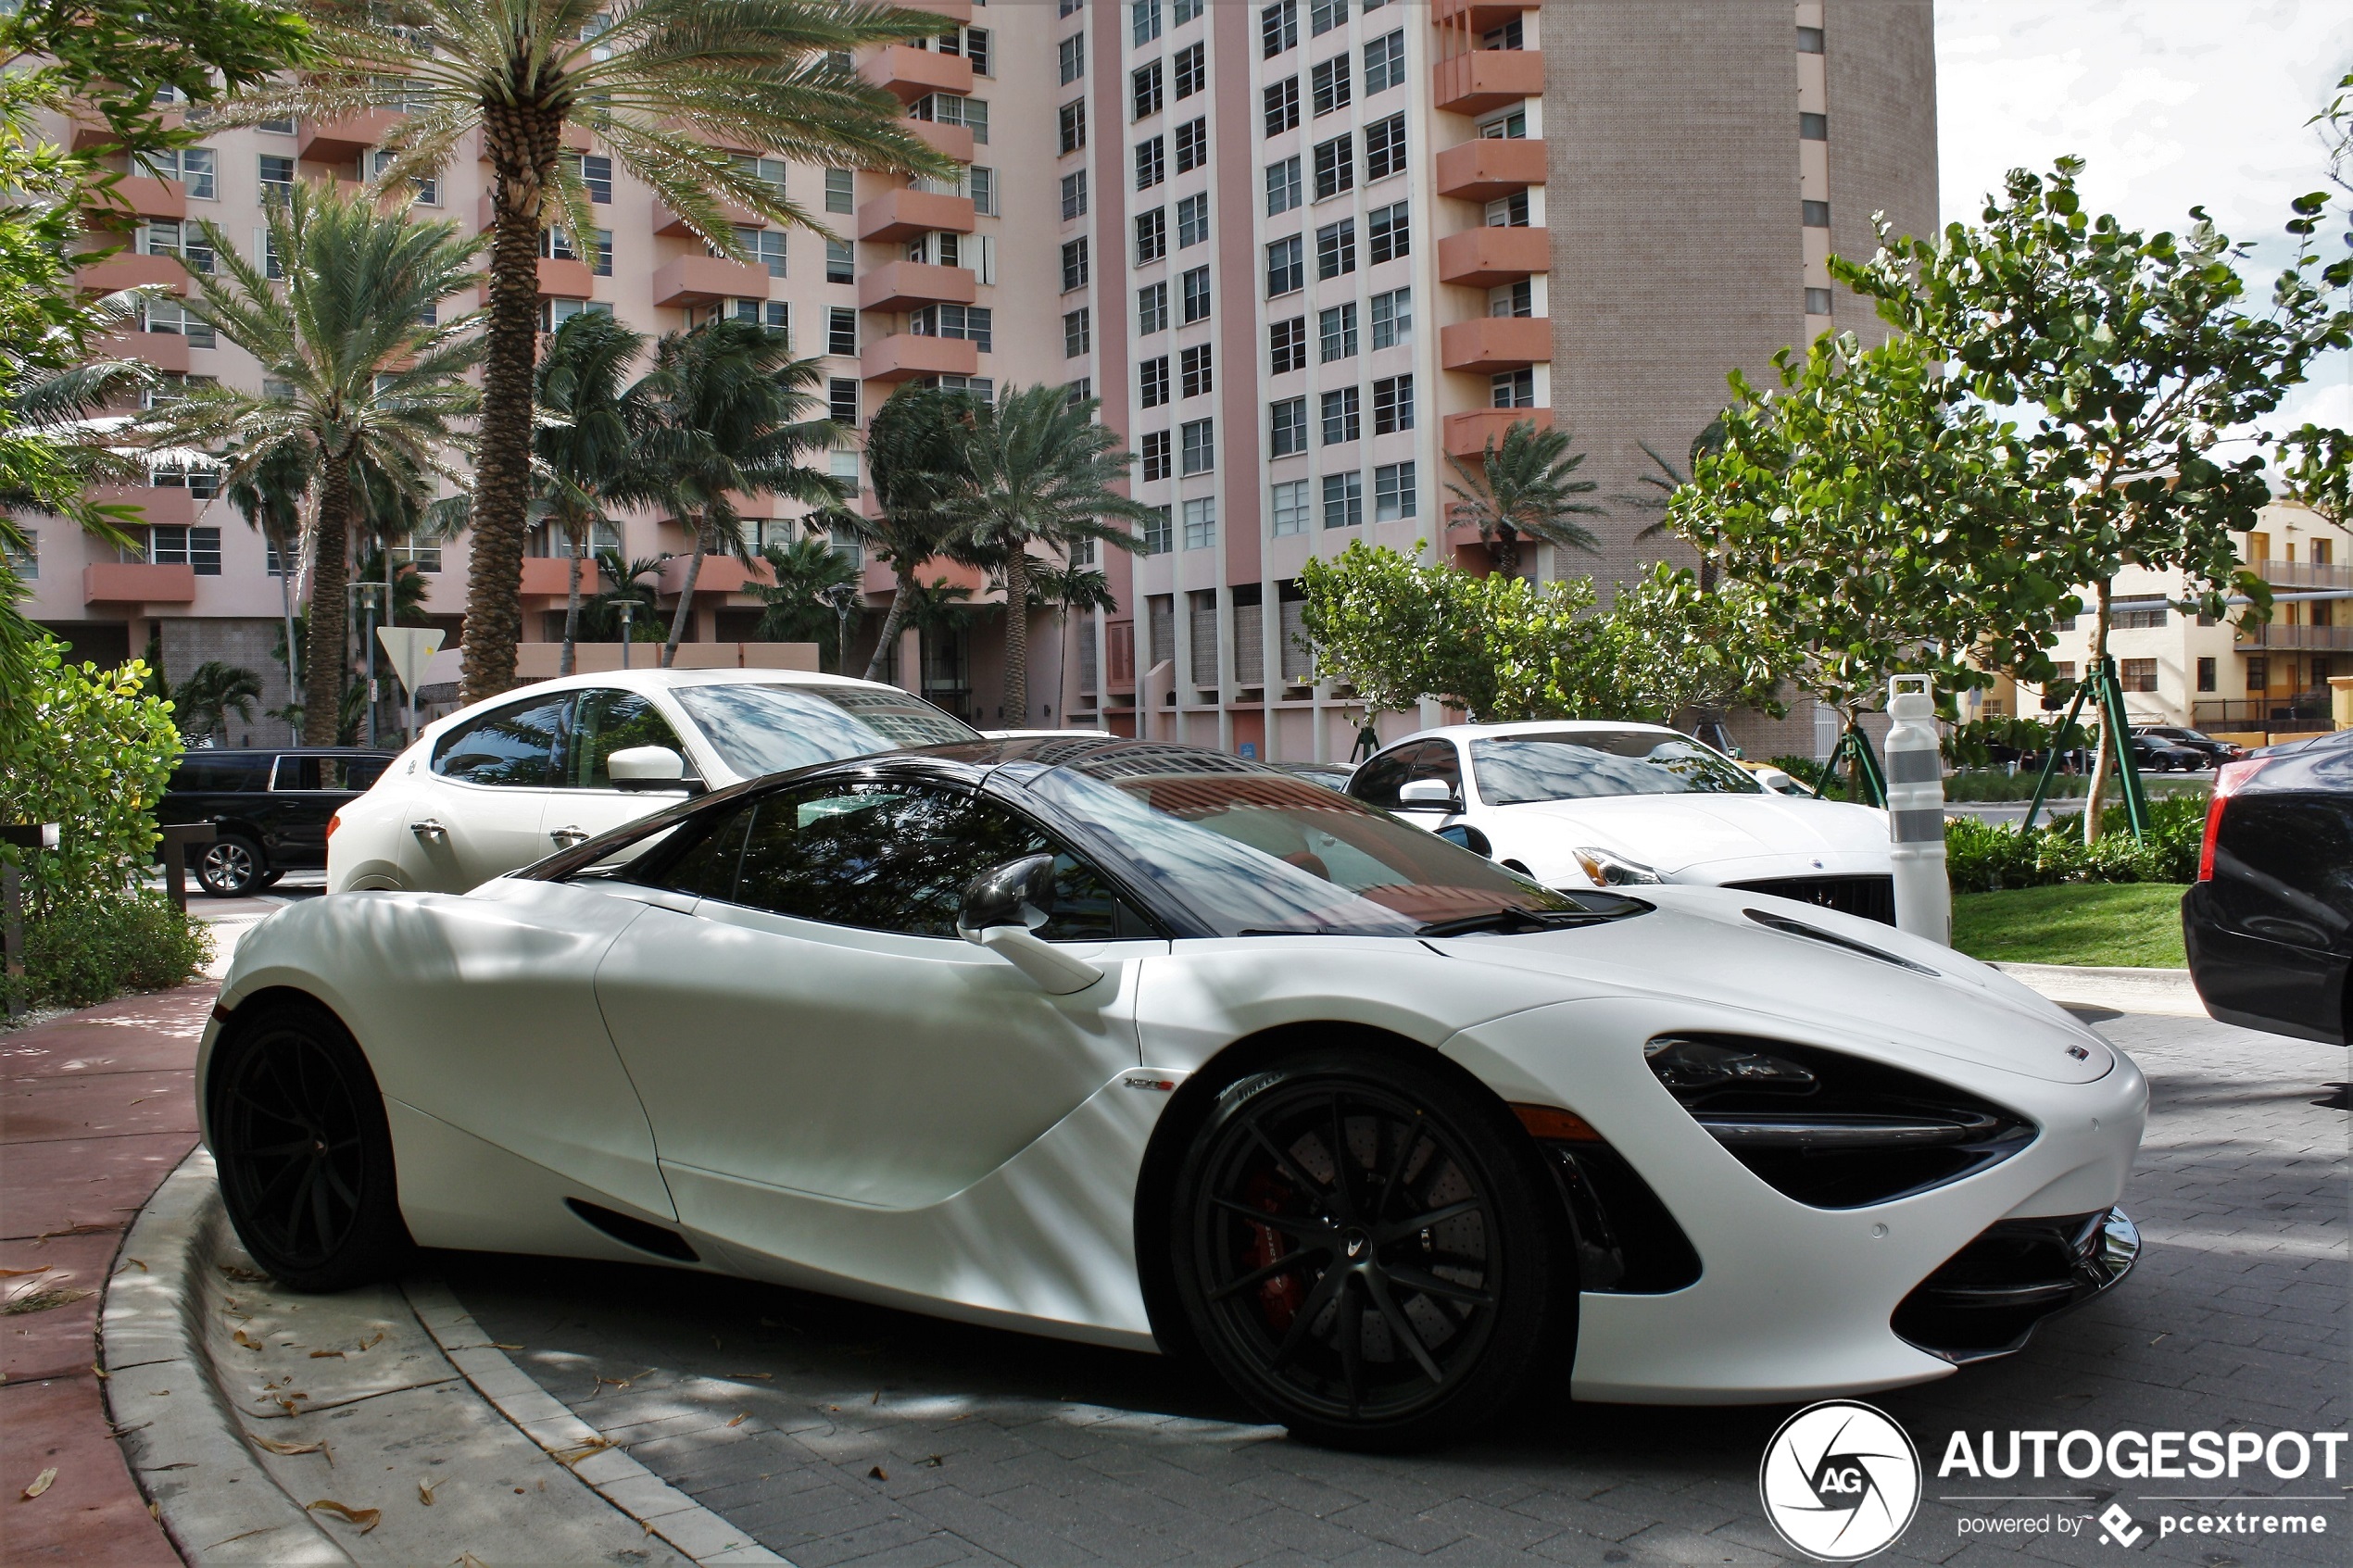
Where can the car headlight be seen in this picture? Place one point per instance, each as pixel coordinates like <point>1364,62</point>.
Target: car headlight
<point>1609,869</point>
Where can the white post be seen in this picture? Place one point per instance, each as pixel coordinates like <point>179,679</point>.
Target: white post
<point>1915,811</point>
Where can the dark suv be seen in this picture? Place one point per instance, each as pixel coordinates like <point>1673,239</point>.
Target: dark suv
<point>269,810</point>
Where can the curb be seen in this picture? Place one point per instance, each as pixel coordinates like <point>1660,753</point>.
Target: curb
<point>2163,991</point>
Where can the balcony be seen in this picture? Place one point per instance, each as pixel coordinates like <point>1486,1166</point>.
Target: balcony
<point>697,279</point>
<point>905,213</point>
<point>169,505</point>
<point>2307,576</point>
<point>1495,342</point>
<point>903,286</point>
<point>1478,16</point>
<point>137,583</point>
<point>904,355</point>
<point>1467,434</point>
<point>1487,79</point>
<point>125,270</point>
<point>90,131</point>
<point>2275,637</point>
<point>550,577</point>
<point>1480,258</point>
<point>734,216</point>
<point>571,279</point>
<point>913,73</point>
<point>957,11</point>
<point>721,575</point>
<point>1488,166</point>
<point>165,351</point>
<point>345,139</point>
<point>138,195</point>
<point>949,141</point>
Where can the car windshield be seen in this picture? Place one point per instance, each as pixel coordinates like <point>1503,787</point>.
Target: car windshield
<point>761,729</point>
<point>1588,764</point>
<point>1253,852</point>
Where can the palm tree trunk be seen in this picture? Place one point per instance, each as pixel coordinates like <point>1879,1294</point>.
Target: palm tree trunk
<point>1016,638</point>
<point>524,145</point>
<point>1507,551</point>
<point>571,610</point>
<point>286,551</point>
<point>325,654</point>
<point>894,622</point>
<point>686,601</point>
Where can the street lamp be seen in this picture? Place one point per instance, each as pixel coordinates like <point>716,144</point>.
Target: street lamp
<point>628,609</point>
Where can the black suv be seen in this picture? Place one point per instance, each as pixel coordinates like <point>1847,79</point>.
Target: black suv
<point>269,810</point>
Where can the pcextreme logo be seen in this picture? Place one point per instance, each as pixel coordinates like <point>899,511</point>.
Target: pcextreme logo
<point>1840,1481</point>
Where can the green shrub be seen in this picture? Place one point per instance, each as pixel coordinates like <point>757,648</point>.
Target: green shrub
<point>1810,773</point>
<point>1988,857</point>
<point>91,752</point>
<point>79,953</point>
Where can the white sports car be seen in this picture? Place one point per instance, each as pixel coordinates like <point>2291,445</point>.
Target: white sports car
<point>1588,803</point>
<point>1144,1046</point>
<point>499,784</point>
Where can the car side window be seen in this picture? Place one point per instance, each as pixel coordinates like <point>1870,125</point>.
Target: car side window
<point>891,857</point>
<point>513,746</point>
<point>1437,759</point>
<point>704,868</point>
<point>345,774</point>
<point>1378,782</point>
<point>606,720</point>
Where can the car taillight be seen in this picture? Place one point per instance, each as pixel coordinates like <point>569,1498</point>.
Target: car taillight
<point>2228,780</point>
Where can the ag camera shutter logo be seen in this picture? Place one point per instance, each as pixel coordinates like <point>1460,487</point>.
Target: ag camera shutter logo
<point>1840,1481</point>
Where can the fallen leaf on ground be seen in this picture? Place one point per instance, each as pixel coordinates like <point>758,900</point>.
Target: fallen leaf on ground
<point>573,1455</point>
<point>276,1447</point>
<point>366,1518</point>
<point>879,1474</point>
<point>763,1376</point>
<point>17,1273</point>
<point>39,1484</point>
<point>314,1355</point>
<point>243,1275</point>
<point>425,1493</point>
<point>248,1340</point>
<point>102,1373</point>
<point>741,1419</point>
<point>372,1340</point>
<point>133,1262</point>
<point>496,1346</point>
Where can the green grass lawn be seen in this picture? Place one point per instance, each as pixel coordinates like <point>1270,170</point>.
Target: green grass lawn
<point>2123,925</point>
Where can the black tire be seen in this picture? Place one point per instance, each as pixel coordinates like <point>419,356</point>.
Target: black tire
<point>1433,1352</point>
<point>231,866</point>
<point>303,1151</point>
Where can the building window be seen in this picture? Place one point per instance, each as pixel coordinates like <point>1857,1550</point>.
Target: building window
<point>202,482</point>
<point>1189,67</point>
<point>1336,328</point>
<point>554,313</point>
<point>1156,453</point>
<point>2129,616</point>
<point>1157,533</point>
<point>1393,404</point>
<point>1385,63</point>
<point>948,109</point>
<point>1818,302</point>
<point>1285,268</point>
<point>768,171</point>
<point>1324,15</point>
<point>1385,148</point>
<point>970,322</point>
<point>1392,318</point>
<point>982,184</point>
<point>841,400</point>
<point>1074,195</point>
<point>2138,674</point>
<point>1074,265</point>
<point>1143,19</point>
<point>1513,35</point>
<point>595,173</point>
<point>1076,336</point>
<point>1282,105</point>
<point>1073,51</point>
<point>1283,191</point>
<point>1511,299</point>
<point>1287,427</point>
<point>171,317</point>
<point>1287,345</point>
<point>1387,235</point>
<point>1200,522</point>
<point>841,262</point>
<point>2206,674</point>
<point>1509,126</point>
<point>25,560</point>
<point>277,177</point>
<point>1814,127</point>
<point>840,190</point>
<point>1152,235</point>
<point>1192,144</point>
<point>1182,12</point>
<point>1809,39</point>
<point>763,247</point>
<point>196,547</point>
<point>165,236</point>
<point>1197,441</point>
<point>1336,248</point>
<point>1393,499</point>
<point>1196,281</point>
<point>772,313</point>
<point>1279,27</point>
<point>1509,212</point>
<point>2259,674</point>
<point>1343,500</point>
<point>1151,164</point>
<point>1289,508</point>
<point>1152,381</point>
<point>1152,308</point>
<point>1335,166</point>
<point>1194,371</point>
<point>1330,85</point>
<point>1814,215</point>
<point>1143,90</point>
<point>841,330</point>
<point>1512,389</point>
<point>1074,125</point>
<point>1341,420</point>
<point>194,169</point>
<point>1192,221</point>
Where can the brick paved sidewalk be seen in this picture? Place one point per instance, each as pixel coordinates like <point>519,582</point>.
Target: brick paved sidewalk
<point>95,1110</point>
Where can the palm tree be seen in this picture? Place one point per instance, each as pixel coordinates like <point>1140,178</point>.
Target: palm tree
<point>1039,470</point>
<point>1068,589</point>
<point>370,384</point>
<point>666,87</point>
<point>585,443</point>
<point>633,582</point>
<point>213,690</point>
<point>917,457</point>
<point>269,495</point>
<point>1665,481</point>
<point>1523,488</point>
<point>804,602</point>
<point>724,407</point>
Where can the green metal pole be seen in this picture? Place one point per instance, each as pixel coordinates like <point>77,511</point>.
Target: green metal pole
<point>2051,760</point>
<point>1866,767</point>
<point>1829,767</point>
<point>2128,769</point>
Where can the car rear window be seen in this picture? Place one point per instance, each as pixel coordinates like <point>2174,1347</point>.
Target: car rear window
<point>221,776</point>
<point>758,729</point>
<point>349,774</point>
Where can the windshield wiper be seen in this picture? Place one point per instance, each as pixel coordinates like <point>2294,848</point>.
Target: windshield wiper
<point>1515,920</point>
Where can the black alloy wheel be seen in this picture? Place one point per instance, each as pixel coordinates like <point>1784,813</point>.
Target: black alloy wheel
<point>230,866</point>
<point>1362,1249</point>
<point>303,1151</point>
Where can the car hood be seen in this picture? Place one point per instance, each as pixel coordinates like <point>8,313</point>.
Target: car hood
<point>1699,945</point>
<point>1674,833</point>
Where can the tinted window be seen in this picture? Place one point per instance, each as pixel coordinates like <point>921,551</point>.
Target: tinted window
<point>349,774</point>
<point>512,746</point>
<point>703,867</point>
<point>220,774</point>
<point>606,720</point>
<point>763,729</point>
<point>1379,780</point>
<point>1588,764</point>
<point>896,858</point>
<point>1439,761</point>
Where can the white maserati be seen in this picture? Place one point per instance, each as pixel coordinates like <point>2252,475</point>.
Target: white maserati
<point>1148,1047</point>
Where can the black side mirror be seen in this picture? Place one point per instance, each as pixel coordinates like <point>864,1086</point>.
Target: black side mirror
<point>1019,893</point>
<point>1468,837</point>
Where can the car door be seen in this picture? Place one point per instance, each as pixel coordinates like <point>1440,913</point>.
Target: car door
<point>584,801</point>
<point>816,1026</point>
<point>476,811</point>
<point>305,790</point>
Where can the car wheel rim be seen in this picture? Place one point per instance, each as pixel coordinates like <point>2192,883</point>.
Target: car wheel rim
<point>228,865</point>
<point>293,1160</point>
<point>1361,1287</point>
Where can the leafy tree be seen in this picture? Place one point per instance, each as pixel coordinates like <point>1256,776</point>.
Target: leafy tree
<point>202,703</point>
<point>915,452</point>
<point>1525,487</point>
<point>372,386</point>
<point>269,494</point>
<point>95,762</point>
<point>138,51</point>
<point>591,418</point>
<point>666,87</point>
<point>801,604</point>
<point>2137,355</point>
<point>1037,470</point>
<point>1680,644</point>
<point>1066,590</point>
<point>634,582</point>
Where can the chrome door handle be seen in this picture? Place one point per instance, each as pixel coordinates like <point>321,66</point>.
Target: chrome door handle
<point>429,829</point>
<point>566,836</point>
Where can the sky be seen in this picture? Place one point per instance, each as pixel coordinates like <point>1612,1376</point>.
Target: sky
<point>2171,102</point>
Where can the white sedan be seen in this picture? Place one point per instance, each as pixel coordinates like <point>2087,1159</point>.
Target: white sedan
<point>1143,1046</point>
<point>1592,803</point>
<point>495,787</point>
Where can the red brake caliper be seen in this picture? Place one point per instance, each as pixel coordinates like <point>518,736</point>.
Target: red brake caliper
<point>1280,1297</point>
